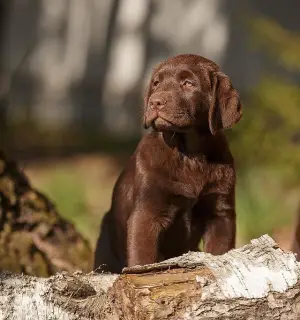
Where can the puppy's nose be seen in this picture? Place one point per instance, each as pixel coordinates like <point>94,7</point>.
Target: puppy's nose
<point>157,102</point>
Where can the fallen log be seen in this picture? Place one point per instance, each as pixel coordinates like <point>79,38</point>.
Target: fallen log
<point>256,281</point>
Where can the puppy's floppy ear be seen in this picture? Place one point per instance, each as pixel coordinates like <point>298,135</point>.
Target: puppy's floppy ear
<point>225,108</point>
<point>146,98</point>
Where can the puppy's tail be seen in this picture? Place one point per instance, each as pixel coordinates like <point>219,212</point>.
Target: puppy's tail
<point>105,259</point>
<point>296,239</point>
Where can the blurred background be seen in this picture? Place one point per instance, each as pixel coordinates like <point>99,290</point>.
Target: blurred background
<point>72,76</point>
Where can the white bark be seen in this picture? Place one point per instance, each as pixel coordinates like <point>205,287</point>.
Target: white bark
<point>257,281</point>
<point>62,296</point>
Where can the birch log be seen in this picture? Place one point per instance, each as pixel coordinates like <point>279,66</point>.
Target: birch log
<point>257,281</point>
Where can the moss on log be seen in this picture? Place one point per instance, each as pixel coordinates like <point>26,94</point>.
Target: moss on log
<point>34,239</point>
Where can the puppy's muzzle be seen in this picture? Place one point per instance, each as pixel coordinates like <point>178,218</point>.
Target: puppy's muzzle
<point>157,103</point>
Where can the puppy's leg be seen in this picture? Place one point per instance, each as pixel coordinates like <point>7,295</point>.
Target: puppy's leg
<point>220,229</point>
<point>144,230</point>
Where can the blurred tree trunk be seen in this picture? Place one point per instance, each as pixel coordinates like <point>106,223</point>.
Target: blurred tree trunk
<point>134,98</point>
<point>122,96</point>
<point>108,44</point>
<point>60,58</point>
<point>4,10</point>
<point>34,239</point>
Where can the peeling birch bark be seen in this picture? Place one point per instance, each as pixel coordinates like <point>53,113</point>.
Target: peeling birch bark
<point>257,281</point>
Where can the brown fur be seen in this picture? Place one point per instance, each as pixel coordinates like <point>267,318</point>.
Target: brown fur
<point>179,185</point>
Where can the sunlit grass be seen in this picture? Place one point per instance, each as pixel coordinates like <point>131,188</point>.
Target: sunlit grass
<point>68,192</point>
<point>262,205</point>
<point>81,190</point>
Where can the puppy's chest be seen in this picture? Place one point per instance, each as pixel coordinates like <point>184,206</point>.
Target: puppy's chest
<point>221,178</point>
<point>194,177</point>
<point>188,177</point>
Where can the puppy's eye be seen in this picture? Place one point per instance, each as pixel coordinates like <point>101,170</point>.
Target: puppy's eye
<point>155,83</point>
<point>187,83</point>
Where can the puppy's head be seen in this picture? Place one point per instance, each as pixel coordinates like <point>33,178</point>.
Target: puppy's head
<point>189,91</point>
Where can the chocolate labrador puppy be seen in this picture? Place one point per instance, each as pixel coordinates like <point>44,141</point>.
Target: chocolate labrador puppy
<point>179,185</point>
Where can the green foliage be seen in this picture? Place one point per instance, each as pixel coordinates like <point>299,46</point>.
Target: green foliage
<point>261,208</point>
<point>266,143</point>
<point>281,44</point>
<point>269,134</point>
